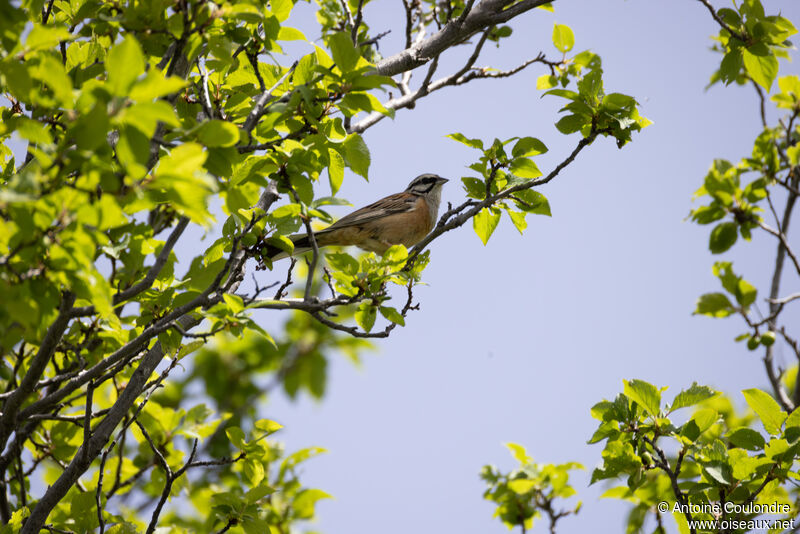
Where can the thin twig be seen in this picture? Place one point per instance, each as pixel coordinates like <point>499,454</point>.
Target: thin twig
<point>264,99</point>
<point>722,23</point>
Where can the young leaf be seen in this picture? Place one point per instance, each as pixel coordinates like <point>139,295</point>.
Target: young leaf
<point>392,315</point>
<point>365,316</point>
<point>484,223</point>
<point>644,394</point>
<point>125,62</point>
<point>691,396</point>
<point>357,154</point>
<point>761,65</point>
<point>767,409</point>
<point>563,38</point>
<point>714,305</point>
<point>746,438</point>
<point>723,237</point>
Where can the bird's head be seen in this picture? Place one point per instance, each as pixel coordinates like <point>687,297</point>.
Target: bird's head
<point>426,183</point>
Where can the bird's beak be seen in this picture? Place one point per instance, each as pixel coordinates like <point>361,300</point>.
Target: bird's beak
<point>443,180</point>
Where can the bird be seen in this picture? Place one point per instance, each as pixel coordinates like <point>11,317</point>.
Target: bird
<point>400,219</point>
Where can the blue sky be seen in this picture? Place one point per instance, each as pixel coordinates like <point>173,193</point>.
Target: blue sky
<point>515,341</point>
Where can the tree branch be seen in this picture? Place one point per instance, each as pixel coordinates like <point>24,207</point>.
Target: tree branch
<point>486,14</point>
<point>456,217</point>
<point>37,367</point>
<point>408,100</point>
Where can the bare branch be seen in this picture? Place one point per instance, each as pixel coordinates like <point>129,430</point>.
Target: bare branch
<point>205,97</point>
<point>280,293</point>
<point>147,282</point>
<point>409,21</point>
<point>785,300</point>
<point>486,14</point>
<point>462,76</point>
<point>663,463</point>
<point>357,21</point>
<point>783,243</point>
<point>466,12</point>
<point>348,16</point>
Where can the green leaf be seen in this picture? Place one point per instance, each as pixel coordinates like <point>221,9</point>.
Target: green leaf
<point>761,66</point>
<point>393,315</point>
<point>184,161</point>
<point>357,154</point>
<point>268,426</point>
<point>236,437</point>
<point>217,133</point>
<point>563,93</point>
<point>290,34</point>
<point>45,37</point>
<point>717,473</point>
<point>704,418</point>
<point>254,471</point>
<point>473,143</point>
<point>305,500</point>
<point>365,316</point>
<point>723,236</point>
<point>619,102</point>
<point>518,219</point>
<point>794,419</point>
<point>714,305</point>
<point>571,124</point>
<point>644,394</point>
<point>91,128</point>
<point>344,53</point>
<point>484,223</point>
<point>396,254</point>
<point>125,62</point>
<point>519,453</point>
<point>18,517</point>
<point>52,73</point>
<point>546,81</point>
<point>521,486</point>
<point>234,302</point>
<point>531,201</point>
<point>524,168</point>
<point>708,214</point>
<point>563,38</point>
<point>746,293</point>
<point>145,116</point>
<point>281,9</point>
<point>258,493</point>
<point>746,438</point>
<point>528,146</point>
<point>133,151</point>
<point>335,170</point>
<point>767,409</point>
<point>692,396</point>
<point>287,210</point>
<point>155,85</point>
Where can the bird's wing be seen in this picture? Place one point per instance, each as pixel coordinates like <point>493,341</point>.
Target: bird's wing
<point>397,203</point>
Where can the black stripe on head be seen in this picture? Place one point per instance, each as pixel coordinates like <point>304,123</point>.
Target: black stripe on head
<point>424,183</point>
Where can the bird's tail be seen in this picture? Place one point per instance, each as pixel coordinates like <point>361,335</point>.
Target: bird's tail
<point>301,242</point>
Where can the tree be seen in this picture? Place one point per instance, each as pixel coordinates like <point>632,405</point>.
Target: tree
<point>715,470</point>
<point>135,117</point>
